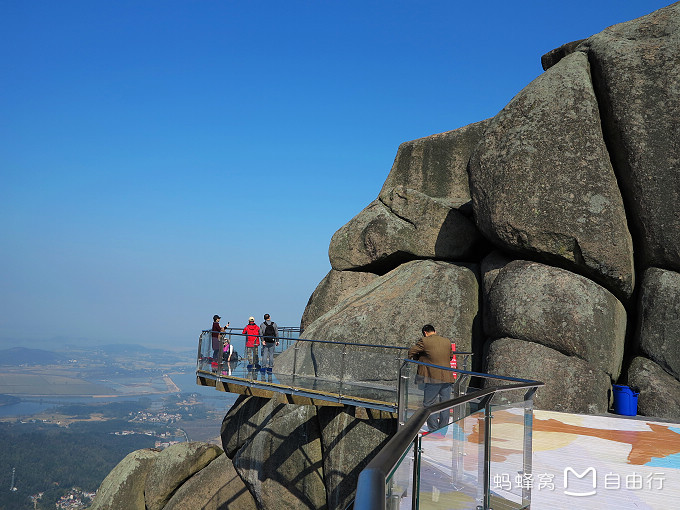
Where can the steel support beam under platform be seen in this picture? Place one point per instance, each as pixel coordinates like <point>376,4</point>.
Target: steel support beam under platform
<point>302,392</point>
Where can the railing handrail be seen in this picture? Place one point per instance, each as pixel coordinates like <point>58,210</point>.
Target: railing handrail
<point>335,342</point>
<point>229,332</point>
<point>230,329</point>
<point>467,372</point>
<point>370,493</point>
<point>241,329</point>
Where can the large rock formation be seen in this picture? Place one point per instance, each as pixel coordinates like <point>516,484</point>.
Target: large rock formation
<point>636,70</point>
<point>659,391</point>
<point>539,220</point>
<point>574,195</point>
<point>659,319</point>
<point>335,287</point>
<point>276,456</point>
<point>123,487</point>
<point>527,301</point>
<point>216,487</point>
<point>375,314</point>
<point>542,183</point>
<point>422,211</point>
<point>293,456</point>
<point>276,450</point>
<point>147,479</point>
<point>577,386</point>
<point>172,467</point>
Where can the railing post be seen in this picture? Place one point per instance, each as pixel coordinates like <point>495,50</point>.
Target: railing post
<point>220,354</point>
<point>295,351</point>
<point>417,451</point>
<point>342,363</point>
<point>402,392</point>
<point>527,466</point>
<point>487,453</point>
<point>200,346</point>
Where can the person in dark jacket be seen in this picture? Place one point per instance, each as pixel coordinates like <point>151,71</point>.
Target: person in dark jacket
<point>216,330</point>
<point>436,350</point>
<point>270,338</point>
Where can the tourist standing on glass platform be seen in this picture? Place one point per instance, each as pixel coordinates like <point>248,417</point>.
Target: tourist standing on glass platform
<point>270,339</point>
<point>435,350</point>
<point>252,342</point>
<point>216,330</point>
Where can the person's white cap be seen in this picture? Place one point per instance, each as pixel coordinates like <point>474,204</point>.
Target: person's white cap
<point>251,319</point>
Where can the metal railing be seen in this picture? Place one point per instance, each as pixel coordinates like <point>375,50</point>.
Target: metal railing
<point>235,337</point>
<point>338,371</point>
<point>375,362</point>
<point>394,478</point>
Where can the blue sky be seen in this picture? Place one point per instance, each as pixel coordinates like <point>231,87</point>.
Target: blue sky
<point>163,161</point>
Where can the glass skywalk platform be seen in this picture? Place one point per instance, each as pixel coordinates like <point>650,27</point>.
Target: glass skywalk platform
<point>293,380</point>
<point>487,436</point>
<point>301,379</point>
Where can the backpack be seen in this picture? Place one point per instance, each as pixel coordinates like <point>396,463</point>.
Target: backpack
<point>269,333</point>
<point>234,354</point>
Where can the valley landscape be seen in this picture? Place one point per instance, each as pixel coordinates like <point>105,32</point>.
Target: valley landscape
<point>68,417</point>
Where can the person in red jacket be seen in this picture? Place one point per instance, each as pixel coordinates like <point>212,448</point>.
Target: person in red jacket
<point>252,342</point>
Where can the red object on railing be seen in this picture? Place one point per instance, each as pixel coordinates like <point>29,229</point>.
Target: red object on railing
<point>454,362</point>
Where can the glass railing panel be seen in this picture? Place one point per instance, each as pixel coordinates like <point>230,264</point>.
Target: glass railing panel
<point>287,336</point>
<point>237,339</point>
<point>346,361</point>
<point>372,392</point>
<point>205,352</point>
<point>412,388</point>
<point>399,483</point>
<point>508,478</point>
<point>366,372</point>
<point>449,475</point>
<point>410,392</point>
<point>456,453</point>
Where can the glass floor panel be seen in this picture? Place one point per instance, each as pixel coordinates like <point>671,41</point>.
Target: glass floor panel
<point>363,393</point>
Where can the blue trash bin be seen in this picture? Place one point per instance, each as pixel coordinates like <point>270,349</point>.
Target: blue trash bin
<point>625,400</point>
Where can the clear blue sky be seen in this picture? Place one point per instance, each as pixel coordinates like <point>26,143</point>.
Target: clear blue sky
<point>163,161</point>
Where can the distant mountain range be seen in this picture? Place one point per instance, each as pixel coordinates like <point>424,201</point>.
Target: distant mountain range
<point>125,348</point>
<point>15,356</point>
<point>6,400</point>
<point>25,356</point>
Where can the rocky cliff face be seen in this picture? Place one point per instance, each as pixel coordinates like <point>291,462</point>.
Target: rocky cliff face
<point>275,456</point>
<point>545,239</point>
<point>564,212</point>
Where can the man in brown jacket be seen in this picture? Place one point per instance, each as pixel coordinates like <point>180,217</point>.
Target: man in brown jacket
<point>436,350</point>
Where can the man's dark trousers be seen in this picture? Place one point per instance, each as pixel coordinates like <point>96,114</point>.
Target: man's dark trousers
<point>433,394</point>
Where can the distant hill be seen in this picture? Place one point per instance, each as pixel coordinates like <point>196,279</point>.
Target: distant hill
<point>6,400</point>
<point>127,349</point>
<point>16,356</point>
<point>25,356</point>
